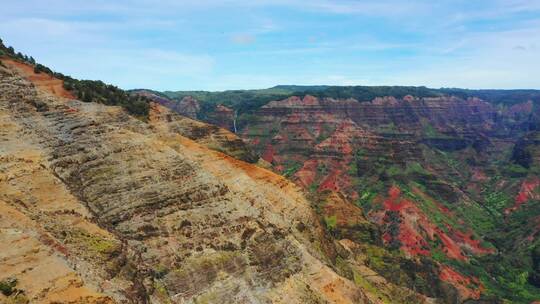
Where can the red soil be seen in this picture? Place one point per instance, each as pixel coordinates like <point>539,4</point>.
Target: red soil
<point>412,242</point>
<point>306,175</point>
<point>294,101</point>
<point>415,229</point>
<point>526,192</point>
<point>255,141</point>
<point>222,108</point>
<point>269,153</point>
<point>466,240</point>
<point>330,182</point>
<point>468,287</point>
<point>42,81</point>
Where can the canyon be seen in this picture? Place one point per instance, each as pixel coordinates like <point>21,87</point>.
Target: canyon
<point>446,183</point>
<point>100,207</point>
<point>417,196</point>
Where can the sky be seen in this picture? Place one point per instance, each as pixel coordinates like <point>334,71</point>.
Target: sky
<point>246,44</point>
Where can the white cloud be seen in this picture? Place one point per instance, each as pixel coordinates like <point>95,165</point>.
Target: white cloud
<point>180,44</point>
<point>243,38</point>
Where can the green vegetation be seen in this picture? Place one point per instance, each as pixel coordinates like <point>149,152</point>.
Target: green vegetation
<point>431,132</point>
<point>415,168</point>
<point>396,268</point>
<point>366,285</point>
<point>313,187</point>
<point>365,93</point>
<point>330,222</point>
<point>7,286</point>
<point>394,170</point>
<point>365,199</point>
<point>510,274</point>
<point>246,101</point>
<point>14,295</point>
<point>506,97</point>
<point>515,170</point>
<point>291,169</point>
<point>98,91</point>
<point>160,291</point>
<point>504,277</point>
<point>497,201</point>
<point>93,244</point>
<point>389,128</point>
<point>326,132</point>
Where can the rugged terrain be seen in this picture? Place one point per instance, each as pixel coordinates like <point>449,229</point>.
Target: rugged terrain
<point>438,188</point>
<point>290,195</point>
<point>102,206</point>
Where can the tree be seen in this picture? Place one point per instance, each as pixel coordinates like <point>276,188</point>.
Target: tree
<point>87,97</point>
<point>11,50</point>
<point>32,60</point>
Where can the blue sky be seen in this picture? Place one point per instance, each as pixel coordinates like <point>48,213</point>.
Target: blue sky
<point>218,45</point>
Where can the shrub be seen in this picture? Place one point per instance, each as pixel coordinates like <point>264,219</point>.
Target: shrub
<point>7,286</point>
<point>38,68</point>
<point>330,222</point>
<point>515,170</point>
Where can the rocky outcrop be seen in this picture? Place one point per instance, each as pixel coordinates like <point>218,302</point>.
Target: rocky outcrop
<point>331,133</point>
<point>132,212</point>
<point>223,117</point>
<point>43,81</point>
<point>431,147</point>
<point>211,136</point>
<point>188,106</point>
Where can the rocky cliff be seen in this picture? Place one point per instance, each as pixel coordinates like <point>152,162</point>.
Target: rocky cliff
<point>433,189</point>
<point>100,207</point>
<point>402,199</point>
<point>436,175</point>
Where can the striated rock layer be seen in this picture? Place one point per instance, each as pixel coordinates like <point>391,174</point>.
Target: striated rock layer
<point>99,207</point>
<point>436,176</point>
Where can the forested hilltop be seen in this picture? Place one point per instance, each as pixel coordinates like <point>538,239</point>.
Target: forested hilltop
<point>247,100</point>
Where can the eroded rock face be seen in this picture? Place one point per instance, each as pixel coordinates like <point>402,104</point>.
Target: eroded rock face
<point>330,134</point>
<point>211,136</point>
<point>417,167</point>
<point>188,107</point>
<point>135,212</point>
<point>223,117</point>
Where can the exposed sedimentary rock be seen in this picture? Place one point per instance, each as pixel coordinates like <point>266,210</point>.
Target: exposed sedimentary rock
<point>138,213</point>
<point>208,135</point>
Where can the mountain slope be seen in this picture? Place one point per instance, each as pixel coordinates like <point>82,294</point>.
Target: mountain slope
<point>132,211</point>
